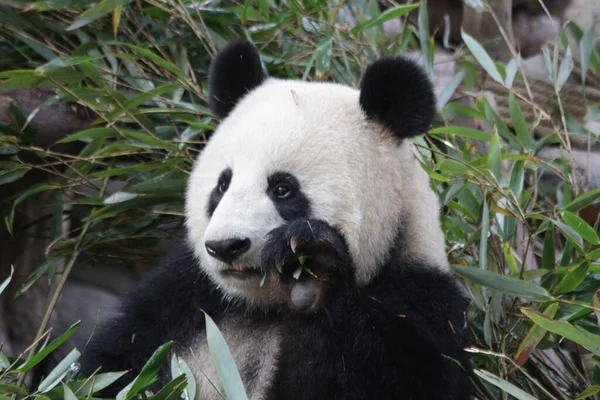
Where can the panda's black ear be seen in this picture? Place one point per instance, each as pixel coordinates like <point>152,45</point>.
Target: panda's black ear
<point>397,93</point>
<point>235,71</point>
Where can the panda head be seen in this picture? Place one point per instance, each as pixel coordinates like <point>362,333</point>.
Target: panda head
<point>288,149</point>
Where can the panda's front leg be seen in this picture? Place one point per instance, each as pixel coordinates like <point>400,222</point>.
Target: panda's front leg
<point>310,263</point>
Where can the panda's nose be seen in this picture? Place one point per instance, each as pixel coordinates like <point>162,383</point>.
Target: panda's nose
<point>227,250</point>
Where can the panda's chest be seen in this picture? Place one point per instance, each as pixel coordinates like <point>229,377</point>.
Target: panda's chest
<point>255,347</point>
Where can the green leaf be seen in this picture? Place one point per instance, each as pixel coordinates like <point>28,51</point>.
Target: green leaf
<point>89,134</point>
<point>42,354</point>
<point>65,62</point>
<point>519,124</point>
<point>462,131</point>
<point>581,227</point>
<point>7,280</point>
<point>534,337</point>
<point>569,233</point>
<point>96,12</point>
<point>482,57</point>
<point>450,88</point>
<point>511,71</point>
<point>505,284</point>
<point>69,395</point>
<point>485,227</point>
<point>37,274</point>
<point>573,279</point>
<point>583,201</point>
<point>32,191</point>
<point>586,47</point>
<point>563,328</point>
<point>224,363</point>
<point>148,374</point>
<point>13,174</point>
<point>323,55</point>
<point>566,67</point>
<point>549,252</point>
<point>387,15</point>
<point>12,389</point>
<point>505,386</point>
<point>589,392</point>
<point>172,390</point>
<point>179,367</point>
<point>59,372</point>
<point>494,159</point>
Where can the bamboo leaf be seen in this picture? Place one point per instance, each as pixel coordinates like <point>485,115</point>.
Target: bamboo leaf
<point>482,57</point>
<point>534,337</point>
<point>224,363</point>
<point>563,328</point>
<point>505,284</point>
<point>503,385</point>
<point>394,12</point>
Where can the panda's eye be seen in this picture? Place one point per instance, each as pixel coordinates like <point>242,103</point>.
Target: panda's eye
<point>223,185</point>
<point>282,191</point>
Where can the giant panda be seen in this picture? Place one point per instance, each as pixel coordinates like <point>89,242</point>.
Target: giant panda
<point>313,242</point>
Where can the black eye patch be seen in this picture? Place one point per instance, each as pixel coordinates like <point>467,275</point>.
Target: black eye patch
<point>289,200</point>
<point>217,193</point>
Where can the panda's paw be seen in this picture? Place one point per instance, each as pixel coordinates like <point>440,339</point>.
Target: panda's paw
<point>308,261</point>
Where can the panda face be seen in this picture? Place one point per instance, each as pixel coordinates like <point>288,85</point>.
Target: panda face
<point>296,150</point>
<point>291,149</point>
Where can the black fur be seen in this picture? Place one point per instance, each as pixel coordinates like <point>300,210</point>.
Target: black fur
<point>400,337</point>
<point>397,93</point>
<point>296,204</point>
<point>217,193</point>
<point>235,71</point>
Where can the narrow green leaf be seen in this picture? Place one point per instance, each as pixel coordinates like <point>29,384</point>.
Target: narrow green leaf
<point>586,46</point>
<point>69,395</point>
<point>534,337</point>
<point>566,67</point>
<point>450,88</point>
<point>423,23</point>
<point>589,392</point>
<point>85,387</point>
<point>224,363</point>
<point>391,13</point>
<point>584,200</point>
<point>571,235</point>
<point>323,55</point>
<point>511,71</point>
<point>148,374</point>
<point>563,328</point>
<point>42,354</point>
<point>12,389</point>
<point>581,227</point>
<point>523,133</point>
<point>65,62</point>
<point>12,175</point>
<point>59,372</point>
<point>172,390</point>
<point>96,12</point>
<point>549,252</point>
<point>179,367</point>
<point>505,284</point>
<point>483,240</point>
<point>505,386</point>
<point>573,279</point>
<point>494,159</point>
<point>7,280</point>
<point>463,131</point>
<point>32,191</point>
<point>89,134</point>
<point>482,57</point>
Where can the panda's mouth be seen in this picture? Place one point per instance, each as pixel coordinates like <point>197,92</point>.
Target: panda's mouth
<point>239,270</point>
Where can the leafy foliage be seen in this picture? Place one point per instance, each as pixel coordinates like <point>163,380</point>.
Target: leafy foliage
<point>528,262</point>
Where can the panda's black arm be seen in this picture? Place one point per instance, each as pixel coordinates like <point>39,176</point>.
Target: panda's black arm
<point>166,305</point>
<point>400,338</point>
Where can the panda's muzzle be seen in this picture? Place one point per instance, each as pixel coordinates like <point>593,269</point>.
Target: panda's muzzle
<point>227,250</point>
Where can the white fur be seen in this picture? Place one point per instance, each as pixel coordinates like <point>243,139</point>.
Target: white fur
<point>353,172</point>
